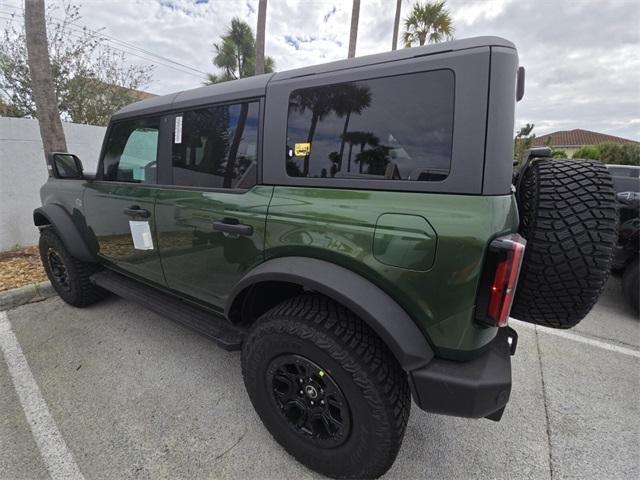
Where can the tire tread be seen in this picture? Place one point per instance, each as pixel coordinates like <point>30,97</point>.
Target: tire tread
<point>361,353</point>
<point>85,292</point>
<point>568,216</point>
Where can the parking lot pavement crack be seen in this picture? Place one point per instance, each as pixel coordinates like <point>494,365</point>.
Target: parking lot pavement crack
<point>546,407</point>
<point>231,447</point>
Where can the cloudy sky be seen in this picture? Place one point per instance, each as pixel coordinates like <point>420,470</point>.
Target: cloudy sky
<point>582,56</point>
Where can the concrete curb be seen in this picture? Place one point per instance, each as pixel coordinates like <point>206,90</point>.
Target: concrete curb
<point>31,293</point>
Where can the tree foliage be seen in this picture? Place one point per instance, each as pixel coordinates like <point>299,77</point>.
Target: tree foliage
<point>428,23</point>
<point>91,79</point>
<point>523,141</point>
<point>588,152</point>
<point>620,154</point>
<point>235,54</point>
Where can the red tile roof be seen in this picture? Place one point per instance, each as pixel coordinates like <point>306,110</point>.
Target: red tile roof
<point>577,138</point>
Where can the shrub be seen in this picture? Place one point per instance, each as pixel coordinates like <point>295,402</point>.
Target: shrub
<point>588,152</point>
<point>625,154</point>
<point>558,154</point>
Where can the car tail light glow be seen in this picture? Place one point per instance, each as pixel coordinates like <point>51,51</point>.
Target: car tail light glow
<point>501,275</point>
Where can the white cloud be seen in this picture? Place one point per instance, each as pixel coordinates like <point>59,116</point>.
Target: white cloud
<point>582,57</point>
<point>470,12</point>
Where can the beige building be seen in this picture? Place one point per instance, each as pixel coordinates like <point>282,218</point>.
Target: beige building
<point>569,141</point>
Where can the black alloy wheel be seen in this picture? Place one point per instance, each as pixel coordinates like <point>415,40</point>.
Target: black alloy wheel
<point>310,400</point>
<point>70,277</point>
<point>59,271</point>
<point>326,387</point>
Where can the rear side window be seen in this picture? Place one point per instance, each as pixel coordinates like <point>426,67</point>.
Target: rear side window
<point>394,128</point>
<point>216,147</point>
<point>132,151</point>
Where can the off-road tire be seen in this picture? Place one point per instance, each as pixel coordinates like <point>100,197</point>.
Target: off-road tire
<point>79,291</point>
<point>630,284</point>
<point>568,216</point>
<point>373,383</point>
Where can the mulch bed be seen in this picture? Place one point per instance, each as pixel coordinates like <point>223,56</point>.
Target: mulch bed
<point>20,267</point>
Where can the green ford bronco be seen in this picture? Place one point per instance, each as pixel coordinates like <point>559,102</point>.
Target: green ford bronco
<point>355,228</point>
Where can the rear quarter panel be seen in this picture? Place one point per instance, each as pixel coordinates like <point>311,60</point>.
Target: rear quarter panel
<point>338,225</point>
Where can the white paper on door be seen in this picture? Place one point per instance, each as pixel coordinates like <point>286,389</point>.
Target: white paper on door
<point>141,234</point>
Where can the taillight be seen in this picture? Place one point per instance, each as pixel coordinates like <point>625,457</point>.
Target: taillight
<point>499,279</point>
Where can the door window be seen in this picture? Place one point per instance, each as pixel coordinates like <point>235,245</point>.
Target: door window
<point>132,151</point>
<point>216,147</point>
<point>394,128</point>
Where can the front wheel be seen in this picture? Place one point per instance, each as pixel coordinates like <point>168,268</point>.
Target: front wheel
<point>68,275</point>
<point>326,387</point>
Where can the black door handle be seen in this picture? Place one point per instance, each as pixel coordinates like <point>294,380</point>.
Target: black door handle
<point>231,225</point>
<point>136,211</point>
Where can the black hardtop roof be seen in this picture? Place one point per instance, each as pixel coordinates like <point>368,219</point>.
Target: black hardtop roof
<point>252,87</point>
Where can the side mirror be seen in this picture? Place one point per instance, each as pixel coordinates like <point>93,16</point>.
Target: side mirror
<point>64,165</point>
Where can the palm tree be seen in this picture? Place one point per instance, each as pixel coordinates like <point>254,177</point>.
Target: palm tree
<point>322,101</point>
<point>396,25</point>
<point>362,139</point>
<point>353,34</point>
<point>235,55</point>
<point>44,94</point>
<point>428,23</point>
<point>349,98</point>
<point>260,31</point>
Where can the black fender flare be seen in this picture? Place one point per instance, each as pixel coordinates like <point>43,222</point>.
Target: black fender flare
<point>375,307</point>
<point>69,233</point>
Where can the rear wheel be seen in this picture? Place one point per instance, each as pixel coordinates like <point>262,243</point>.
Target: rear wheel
<point>68,275</point>
<point>568,216</point>
<point>326,387</point>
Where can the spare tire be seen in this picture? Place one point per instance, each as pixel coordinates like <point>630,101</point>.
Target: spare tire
<point>568,216</point>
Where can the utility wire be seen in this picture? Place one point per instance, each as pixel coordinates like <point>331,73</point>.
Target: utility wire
<point>74,28</point>
<point>111,40</point>
<point>79,36</point>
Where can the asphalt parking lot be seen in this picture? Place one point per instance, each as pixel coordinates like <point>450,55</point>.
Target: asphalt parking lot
<point>134,395</point>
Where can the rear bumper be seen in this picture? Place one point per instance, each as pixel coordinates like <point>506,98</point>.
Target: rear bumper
<point>473,389</point>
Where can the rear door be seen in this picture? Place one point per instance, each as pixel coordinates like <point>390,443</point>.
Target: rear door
<point>211,219</point>
<point>121,201</point>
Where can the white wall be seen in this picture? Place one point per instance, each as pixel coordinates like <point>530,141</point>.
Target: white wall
<point>23,171</point>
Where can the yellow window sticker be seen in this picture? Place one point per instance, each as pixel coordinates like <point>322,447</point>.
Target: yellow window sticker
<point>301,149</point>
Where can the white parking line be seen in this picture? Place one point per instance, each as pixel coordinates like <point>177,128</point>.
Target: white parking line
<point>578,338</point>
<point>53,449</point>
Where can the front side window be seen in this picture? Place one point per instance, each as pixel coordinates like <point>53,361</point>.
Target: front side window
<point>216,147</point>
<point>394,128</point>
<point>132,151</point>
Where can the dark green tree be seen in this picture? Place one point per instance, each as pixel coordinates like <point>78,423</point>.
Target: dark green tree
<point>235,54</point>
<point>427,23</point>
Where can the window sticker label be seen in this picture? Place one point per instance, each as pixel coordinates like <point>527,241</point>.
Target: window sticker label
<point>301,149</point>
<point>177,136</point>
<point>141,235</point>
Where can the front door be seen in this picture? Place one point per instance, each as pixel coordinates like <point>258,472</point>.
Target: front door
<point>211,220</point>
<point>119,205</point>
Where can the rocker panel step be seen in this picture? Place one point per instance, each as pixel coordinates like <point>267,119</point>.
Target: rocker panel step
<point>206,323</point>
